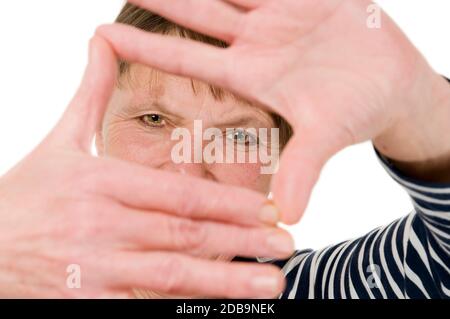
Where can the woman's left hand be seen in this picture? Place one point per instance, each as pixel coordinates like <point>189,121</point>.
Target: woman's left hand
<point>320,64</point>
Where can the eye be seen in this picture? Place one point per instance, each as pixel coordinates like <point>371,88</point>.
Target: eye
<point>154,120</point>
<point>240,136</point>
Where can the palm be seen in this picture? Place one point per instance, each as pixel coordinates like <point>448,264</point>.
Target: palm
<point>315,63</point>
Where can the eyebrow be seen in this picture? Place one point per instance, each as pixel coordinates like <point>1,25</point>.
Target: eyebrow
<point>152,106</point>
<point>256,118</point>
<point>242,122</point>
<point>246,120</point>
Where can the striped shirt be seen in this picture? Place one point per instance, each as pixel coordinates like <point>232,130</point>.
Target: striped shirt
<point>409,258</point>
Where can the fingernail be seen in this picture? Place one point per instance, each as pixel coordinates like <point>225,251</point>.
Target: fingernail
<point>269,214</point>
<point>281,243</point>
<point>266,286</point>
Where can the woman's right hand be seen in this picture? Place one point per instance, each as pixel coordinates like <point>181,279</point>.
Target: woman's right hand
<point>122,225</point>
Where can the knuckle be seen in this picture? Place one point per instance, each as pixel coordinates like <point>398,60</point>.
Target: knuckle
<point>187,202</point>
<point>173,275</point>
<point>187,234</point>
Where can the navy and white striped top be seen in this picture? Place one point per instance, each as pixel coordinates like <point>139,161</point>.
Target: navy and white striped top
<point>409,258</point>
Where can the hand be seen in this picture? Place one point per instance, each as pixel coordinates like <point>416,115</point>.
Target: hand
<point>316,63</point>
<point>126,226</point>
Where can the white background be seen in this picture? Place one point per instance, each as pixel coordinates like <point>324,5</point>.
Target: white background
<point>43,52</point>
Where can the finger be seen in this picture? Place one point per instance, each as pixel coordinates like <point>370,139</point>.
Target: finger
<point>78,124</point>
<point>301,163</point>
<point>181,275</point>
<point>213,17</point>
<point>139,187</point>
<point>159,231</point>
<point>174,55</point>
<point>248,4</point>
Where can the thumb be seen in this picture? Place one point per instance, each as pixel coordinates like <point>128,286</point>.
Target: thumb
<point>301,163</point>
<point>84,114</point>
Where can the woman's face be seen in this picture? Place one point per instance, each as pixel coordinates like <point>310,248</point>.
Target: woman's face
<point>149,105</point>
<point>146,109</point>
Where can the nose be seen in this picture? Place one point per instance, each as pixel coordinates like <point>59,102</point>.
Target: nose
<point>190,144</point>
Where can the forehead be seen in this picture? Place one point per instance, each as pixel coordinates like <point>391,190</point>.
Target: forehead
<point>146,84</point>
